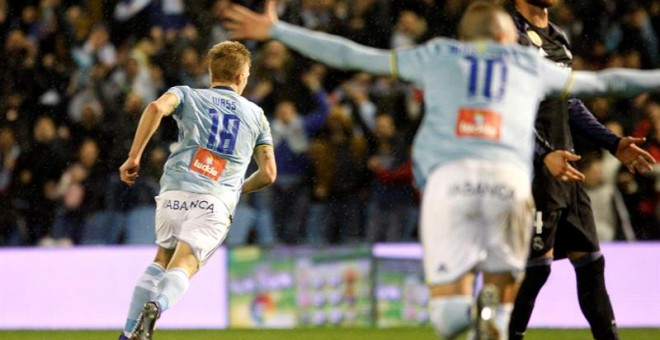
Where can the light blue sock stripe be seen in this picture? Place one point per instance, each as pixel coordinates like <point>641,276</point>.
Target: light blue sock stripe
<point>173,285</point>
<point>145,290</point>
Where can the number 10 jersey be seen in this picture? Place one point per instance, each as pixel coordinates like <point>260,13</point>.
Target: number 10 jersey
<point>481,100</point>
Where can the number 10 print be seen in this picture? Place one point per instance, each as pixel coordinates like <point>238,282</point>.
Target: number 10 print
<point>492,88</point>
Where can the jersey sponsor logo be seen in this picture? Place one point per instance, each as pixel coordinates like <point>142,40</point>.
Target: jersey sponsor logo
<point>207,163</point>
<point>478,123</point>
<point>499,191</point>
<point>188,205</point>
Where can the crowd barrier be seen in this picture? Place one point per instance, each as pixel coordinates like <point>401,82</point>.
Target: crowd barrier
<point>283,287</point>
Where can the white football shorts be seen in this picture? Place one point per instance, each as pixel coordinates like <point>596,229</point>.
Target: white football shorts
<point>476,215</point>
<point>201,221</point>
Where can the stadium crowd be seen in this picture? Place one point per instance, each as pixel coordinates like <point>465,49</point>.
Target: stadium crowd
<point>79,73</point>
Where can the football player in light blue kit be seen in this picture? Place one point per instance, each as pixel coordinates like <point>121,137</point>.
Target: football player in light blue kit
<point>473,153</point>
<point>219,133</point>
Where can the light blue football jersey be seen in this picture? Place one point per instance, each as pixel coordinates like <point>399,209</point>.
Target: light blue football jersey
<point>481,98</point>
<point>218,132</point>
<point>481,101</point>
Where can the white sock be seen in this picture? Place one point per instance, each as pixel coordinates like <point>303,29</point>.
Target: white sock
<point>145,290</point>
<point>502,317</point>
<point>450,315</point>
<point>171,287</point>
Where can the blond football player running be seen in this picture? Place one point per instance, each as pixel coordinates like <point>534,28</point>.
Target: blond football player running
<point>219,133</point>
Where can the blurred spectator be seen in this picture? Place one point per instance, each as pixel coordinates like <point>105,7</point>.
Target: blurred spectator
<point>97,47</point>
<point>367,23</point>
<point>391,215</point>
<point>35,177</point>
<point>192,71</point>
<point>9,153</point>
<point>139,207</point>
<point>610,212</point>
<point>339,160</point>
<point>353,95</point>
<point>72,193</point>
<point>291,139</point>
<point>168,14</point>
<point>641,191</point>
<point>635,32</point>
<point>270,76</point>
<point>410,30</point>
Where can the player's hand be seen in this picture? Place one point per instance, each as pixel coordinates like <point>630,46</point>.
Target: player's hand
<point>558,164</point>
<point>632,156</point>
<point>128,172</point>
<point>243,23</point>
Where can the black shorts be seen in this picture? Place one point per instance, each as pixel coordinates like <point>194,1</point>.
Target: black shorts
<point>568,229</point>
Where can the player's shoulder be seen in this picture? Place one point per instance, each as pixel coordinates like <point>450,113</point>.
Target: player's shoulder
<point>249,110</point>
<point>180,88</point>
<point>251,106</point>
<point>443,45</point>
<point>523,49</point>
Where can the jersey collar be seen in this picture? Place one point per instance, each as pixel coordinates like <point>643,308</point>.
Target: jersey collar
<point>222,87</point>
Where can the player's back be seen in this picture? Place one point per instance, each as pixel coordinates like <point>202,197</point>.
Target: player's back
<point>481,100</point>
<point>218,131</point>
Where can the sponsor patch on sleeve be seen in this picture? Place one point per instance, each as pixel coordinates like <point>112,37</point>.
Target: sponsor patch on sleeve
<point>207,164</point>
<point>478,123</point>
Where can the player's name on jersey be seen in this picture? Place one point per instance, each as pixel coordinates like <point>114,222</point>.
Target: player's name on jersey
<point>499,191</point>
<point>188,205</point>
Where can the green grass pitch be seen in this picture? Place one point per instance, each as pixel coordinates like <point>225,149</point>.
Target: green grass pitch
<point>315,334</point>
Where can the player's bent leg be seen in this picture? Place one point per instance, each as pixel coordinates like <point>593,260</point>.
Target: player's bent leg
<point>146,288</point>
<point>449,307</point>
<point>592,294</point>
<point>175,282</point>
<point>164,256</point>
<point>182,265</point>
<point>536,275</point>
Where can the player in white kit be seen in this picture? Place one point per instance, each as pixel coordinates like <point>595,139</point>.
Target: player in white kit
<point>472,155</point>
<point>219,133</point>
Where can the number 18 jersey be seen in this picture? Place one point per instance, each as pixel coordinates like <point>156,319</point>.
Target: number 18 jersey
<point>218,132</point>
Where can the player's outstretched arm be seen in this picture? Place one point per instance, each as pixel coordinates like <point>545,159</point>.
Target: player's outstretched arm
<point>615,81</point>
<point>620,82</point>
<point>266,172</point>
<point>149,122</point>
<point>329,49</point>
<point>625,149</point>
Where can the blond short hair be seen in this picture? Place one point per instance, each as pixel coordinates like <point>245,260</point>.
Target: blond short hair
<point>226,60</point>
<point>481,21</point>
